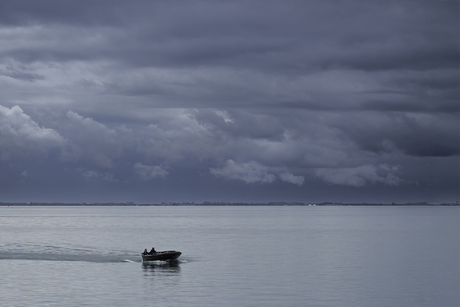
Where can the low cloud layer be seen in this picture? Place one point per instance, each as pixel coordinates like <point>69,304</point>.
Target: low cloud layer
<point>157,101</point>
<point>361,175</point>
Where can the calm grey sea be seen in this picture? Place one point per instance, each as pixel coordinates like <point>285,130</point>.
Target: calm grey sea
<point>232,256</point>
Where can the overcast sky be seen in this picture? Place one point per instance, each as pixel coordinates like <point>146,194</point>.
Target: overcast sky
<point>158,101</point>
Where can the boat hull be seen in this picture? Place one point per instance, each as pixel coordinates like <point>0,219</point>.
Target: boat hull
<point>161,256</point>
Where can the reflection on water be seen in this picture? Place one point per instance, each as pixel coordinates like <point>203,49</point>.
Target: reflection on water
<point>161,266</point>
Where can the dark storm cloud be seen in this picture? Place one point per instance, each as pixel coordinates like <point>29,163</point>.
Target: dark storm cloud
<point>294,36</point>
<point>293,99</point>
<point>416,134</point>
<point>62,12</point>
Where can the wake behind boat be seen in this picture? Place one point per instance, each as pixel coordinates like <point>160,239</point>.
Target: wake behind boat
<point>161,256</point>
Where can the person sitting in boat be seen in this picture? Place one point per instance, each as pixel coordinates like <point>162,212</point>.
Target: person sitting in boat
<point>145,252</point>
<point>152,251</point>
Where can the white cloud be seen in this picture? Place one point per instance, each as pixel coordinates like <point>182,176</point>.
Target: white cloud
<point>176,134</point>
<point>149,171</point>
<point>96,175</point>
<point>19,134</point>
<point>288,177</point>
<point>90,125</point>
<point>250,172</point>
<point>92,141</point>
<point>253,172</point>
<point>361,175</point>
<point>225,116</point>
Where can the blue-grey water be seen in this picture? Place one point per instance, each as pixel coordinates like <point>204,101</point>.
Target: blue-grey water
<point>232,256</point>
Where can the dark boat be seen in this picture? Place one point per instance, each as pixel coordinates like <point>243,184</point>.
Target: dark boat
<point>162,256</point>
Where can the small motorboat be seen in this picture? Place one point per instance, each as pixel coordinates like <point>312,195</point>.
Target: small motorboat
<point>161,256</point>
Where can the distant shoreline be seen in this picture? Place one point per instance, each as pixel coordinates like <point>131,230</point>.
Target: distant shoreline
<point>210,204</point>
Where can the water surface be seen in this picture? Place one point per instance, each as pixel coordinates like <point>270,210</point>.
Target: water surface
<point>232,256</point>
